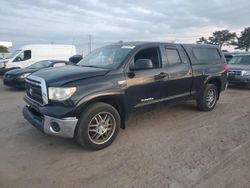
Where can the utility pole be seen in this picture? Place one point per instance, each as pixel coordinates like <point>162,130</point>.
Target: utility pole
<point>90,43</point>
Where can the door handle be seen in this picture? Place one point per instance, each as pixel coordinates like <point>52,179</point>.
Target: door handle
<point>162,75</point>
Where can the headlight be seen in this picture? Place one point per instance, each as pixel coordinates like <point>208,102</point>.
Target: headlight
<point>61,94</point>
<point>245,73</point>
<point>25,75</point>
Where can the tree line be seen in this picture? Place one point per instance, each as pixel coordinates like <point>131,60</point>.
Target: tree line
<point>227,38</point>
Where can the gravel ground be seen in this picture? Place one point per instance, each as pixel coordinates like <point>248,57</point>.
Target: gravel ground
<point>176,147</point>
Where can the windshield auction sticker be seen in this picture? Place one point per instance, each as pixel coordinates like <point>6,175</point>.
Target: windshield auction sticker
<point>128,47</point>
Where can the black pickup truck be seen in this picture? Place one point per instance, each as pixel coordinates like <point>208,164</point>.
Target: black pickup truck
<point>92,100</point>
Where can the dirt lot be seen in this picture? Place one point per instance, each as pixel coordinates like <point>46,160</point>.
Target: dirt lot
<point>175,147</point>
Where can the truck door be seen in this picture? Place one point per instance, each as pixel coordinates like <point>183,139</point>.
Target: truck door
<point>179,72</point>
<point>145,86</point>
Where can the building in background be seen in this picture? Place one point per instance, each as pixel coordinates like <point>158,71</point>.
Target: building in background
<point>7,45</point>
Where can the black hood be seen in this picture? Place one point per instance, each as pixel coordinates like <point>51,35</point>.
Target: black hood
<point>18,72</point>
<point>63,75</point>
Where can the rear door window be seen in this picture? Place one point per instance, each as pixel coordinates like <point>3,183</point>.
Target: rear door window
<point>173,56</point>
<point>206,54</point>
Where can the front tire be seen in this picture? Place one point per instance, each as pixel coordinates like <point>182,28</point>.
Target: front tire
<point>98,126</point>
<point>209,98</point>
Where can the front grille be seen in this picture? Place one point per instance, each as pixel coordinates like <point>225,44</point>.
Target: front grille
<point>34,90</point>
<point>234,73</point>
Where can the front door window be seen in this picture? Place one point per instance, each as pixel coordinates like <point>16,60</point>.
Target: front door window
<point>23,56</point>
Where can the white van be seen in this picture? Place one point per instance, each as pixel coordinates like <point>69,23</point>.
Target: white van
<point>29,54</point>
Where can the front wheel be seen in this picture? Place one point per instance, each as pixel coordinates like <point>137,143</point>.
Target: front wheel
<point>209,98</point>
<point>98,126</point>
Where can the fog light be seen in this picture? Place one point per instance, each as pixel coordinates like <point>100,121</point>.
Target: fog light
<point>55,127</point>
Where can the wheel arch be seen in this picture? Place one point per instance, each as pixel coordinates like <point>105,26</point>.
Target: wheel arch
<point>114,100</point>
<point>217,82</point>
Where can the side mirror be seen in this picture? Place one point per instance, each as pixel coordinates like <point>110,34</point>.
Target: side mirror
<point>142,64</point>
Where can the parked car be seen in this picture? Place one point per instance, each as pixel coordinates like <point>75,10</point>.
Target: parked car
<point>91,101</point>
<point>228,56</point>
<point>239,70</point>
<point>75,59</point>
<point>16,78</point>
<point>29,54</point>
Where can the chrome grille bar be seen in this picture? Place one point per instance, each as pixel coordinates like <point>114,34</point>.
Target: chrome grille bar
<point>35,80</point>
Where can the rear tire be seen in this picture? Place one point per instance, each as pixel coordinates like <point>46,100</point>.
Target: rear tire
<point>209,98</point>
<point>98,126</point>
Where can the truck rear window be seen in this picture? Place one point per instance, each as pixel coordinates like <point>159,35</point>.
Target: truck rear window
<point>206,53</point>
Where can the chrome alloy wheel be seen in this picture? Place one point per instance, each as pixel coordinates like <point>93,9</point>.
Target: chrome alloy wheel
<point>101,127</point>
<point>211,98</point>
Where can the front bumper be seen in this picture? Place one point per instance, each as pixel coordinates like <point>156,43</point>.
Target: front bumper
<point>239,80</point>
<point>62,127</point>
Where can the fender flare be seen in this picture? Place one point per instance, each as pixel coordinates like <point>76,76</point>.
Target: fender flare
<point>116,94</point>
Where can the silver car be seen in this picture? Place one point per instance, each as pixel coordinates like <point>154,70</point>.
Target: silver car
<point>239,70</point>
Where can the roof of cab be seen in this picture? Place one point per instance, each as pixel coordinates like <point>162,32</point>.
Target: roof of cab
<point>140,43</point>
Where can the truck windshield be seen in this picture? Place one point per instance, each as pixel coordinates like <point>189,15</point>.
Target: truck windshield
<point>13,54</point>
<point>240,60</point>
<point>108,57</point>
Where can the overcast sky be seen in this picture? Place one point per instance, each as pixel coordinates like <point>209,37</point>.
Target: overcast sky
<point>70,21</point>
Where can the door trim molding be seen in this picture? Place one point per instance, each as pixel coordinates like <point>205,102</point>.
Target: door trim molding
<point>164,99</point>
